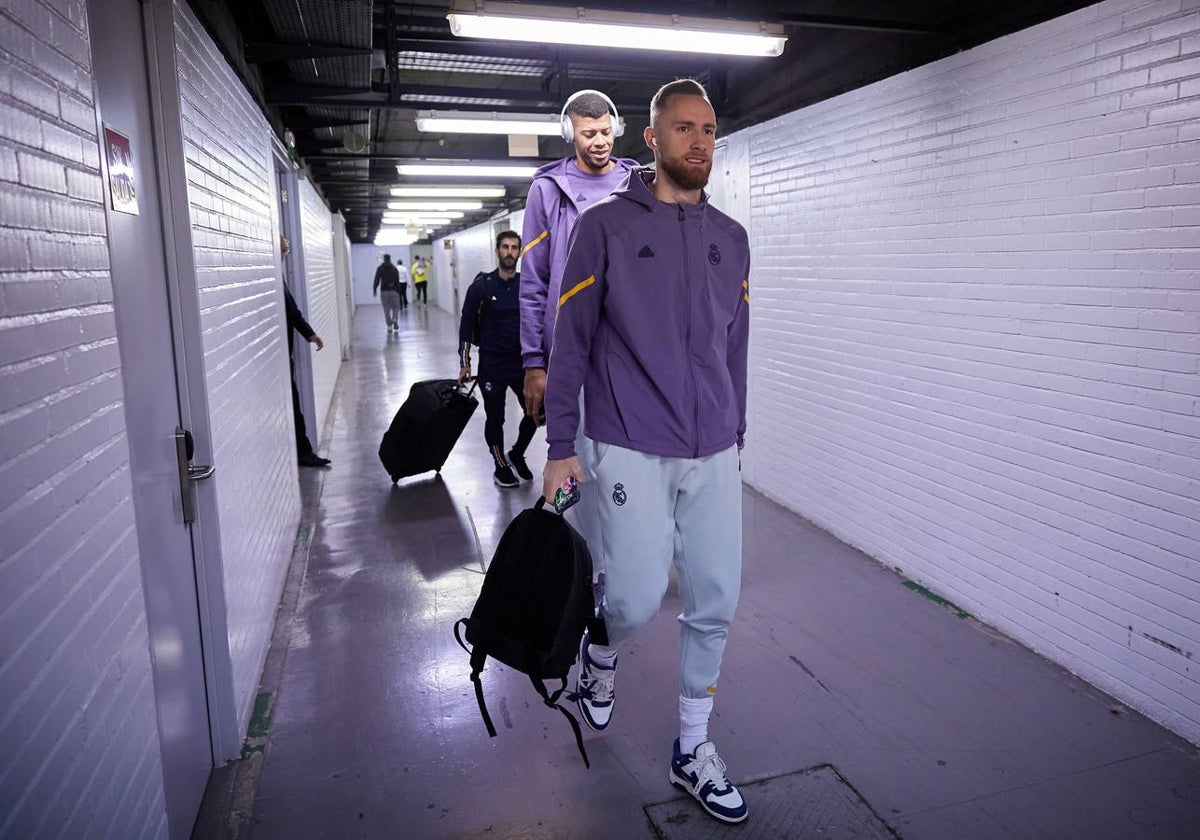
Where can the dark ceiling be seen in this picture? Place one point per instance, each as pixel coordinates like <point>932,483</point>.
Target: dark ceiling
<point>331,71</point>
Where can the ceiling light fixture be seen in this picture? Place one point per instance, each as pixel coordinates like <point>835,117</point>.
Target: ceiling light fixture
<point>465,170</point>
<point>465,122</point>
<point>422,215</point>
<point>624,30</point>
<point>435,205</point>
<point>389,219</point>
<point>434,191</point>
<point>394,236</point>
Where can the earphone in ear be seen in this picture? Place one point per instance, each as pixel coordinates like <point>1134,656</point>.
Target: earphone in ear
<point>564,119</point>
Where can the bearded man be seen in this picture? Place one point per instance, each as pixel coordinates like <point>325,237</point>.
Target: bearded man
<point>653,324</point>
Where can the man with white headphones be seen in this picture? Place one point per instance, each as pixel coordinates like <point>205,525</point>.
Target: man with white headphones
<point>559,193</point>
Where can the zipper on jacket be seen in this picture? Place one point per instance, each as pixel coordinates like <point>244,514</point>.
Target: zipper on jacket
<point>690,363</point>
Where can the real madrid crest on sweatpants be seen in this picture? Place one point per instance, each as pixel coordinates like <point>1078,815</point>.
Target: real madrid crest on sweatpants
<point>619,494</point>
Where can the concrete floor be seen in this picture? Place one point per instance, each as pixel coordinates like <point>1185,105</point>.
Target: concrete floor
<point>938,727</point>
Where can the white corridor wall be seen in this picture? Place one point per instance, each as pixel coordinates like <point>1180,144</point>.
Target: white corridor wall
<point>976,329</point>
<point>316,225</point>
<point>234,213</point>
<point>76,690</point>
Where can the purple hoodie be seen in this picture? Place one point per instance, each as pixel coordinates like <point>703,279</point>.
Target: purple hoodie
<point>550,213</point>
<point>653,322</point>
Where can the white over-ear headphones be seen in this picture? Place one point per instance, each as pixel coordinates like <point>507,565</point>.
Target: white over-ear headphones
<point>568,130</point>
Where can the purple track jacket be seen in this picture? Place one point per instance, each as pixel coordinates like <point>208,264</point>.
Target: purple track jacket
<point>550,213</point>
<point>653,322</point>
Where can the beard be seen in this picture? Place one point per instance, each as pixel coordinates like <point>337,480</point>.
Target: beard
<point>596,161</point>
<point>508,263</point>
<point>686,176</point>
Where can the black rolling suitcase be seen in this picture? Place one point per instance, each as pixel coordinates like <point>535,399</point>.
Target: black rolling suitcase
<point>426,427</point>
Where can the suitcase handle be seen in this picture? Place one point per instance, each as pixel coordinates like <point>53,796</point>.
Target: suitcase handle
<point>474,380</point>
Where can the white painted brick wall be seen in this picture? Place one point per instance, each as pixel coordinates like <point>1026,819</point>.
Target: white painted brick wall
<point>316,225</point>
<point>977,336</point>
<point>78,731</point>
<point>231,192</point>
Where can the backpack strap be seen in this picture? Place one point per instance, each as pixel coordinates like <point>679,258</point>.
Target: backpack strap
<point>489,289</point>
<point>551,700</point>
<point>477,659</point>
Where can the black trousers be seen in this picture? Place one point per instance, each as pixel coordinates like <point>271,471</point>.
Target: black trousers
<point>494,385</point>
<point>303,447</point>
<point>419,293</point>
<point>404,296</point>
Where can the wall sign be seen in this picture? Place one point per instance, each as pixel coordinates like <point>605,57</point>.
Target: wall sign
<point>120,172</point>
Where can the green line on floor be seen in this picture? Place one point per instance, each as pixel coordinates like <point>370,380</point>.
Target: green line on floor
<point>302,535</point>
<point>937,599</point>
<point>260,719</point>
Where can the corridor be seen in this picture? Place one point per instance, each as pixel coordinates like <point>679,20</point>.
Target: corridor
<point>851,705</point>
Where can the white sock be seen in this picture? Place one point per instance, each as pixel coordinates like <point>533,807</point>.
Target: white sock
<point>693,722</point>
<point>605,657</point>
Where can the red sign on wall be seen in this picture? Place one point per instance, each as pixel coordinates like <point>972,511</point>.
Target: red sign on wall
<point>120,172</point>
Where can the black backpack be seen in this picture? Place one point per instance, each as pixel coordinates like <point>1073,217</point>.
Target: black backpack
<point>531,612</point>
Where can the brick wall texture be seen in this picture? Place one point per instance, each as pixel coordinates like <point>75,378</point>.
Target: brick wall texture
<point>977,336</point>
<point>316,224</point>
<point>78,729</point>
<point>234,213</point>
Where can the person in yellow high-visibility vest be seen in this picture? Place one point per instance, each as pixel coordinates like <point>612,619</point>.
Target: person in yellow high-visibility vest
<point>420,275</point>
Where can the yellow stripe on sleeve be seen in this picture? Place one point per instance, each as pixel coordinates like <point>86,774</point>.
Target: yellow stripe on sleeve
<point>746,294</point>
<point>540,237</point>
<point>579,287</point>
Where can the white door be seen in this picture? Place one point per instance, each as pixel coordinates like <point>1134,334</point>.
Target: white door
<point>152,398</point>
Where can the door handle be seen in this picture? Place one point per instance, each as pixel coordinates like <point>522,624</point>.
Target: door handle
<point>185,448</point>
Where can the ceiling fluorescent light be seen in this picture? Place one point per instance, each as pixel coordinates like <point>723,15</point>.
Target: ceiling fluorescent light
<point>465,122</point>
<point>624,30</point>
<point>447,192</point>
<point>435,205</point>
<point>421,216</point>
<point>389,219</point>
<point>394,237</point>
<point>487,170</point>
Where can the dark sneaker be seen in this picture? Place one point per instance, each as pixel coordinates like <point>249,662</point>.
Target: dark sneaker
<point>518,464</point>
<point>702,774</point>
<point>312,459</point>
<point>503,476</point>
<point>594,689</point>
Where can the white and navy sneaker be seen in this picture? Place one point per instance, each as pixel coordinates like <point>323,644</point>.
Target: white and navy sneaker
<point>594,689</point>
<point>702,774</point>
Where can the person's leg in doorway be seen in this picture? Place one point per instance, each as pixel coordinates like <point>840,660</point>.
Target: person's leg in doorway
<point>305,455</point>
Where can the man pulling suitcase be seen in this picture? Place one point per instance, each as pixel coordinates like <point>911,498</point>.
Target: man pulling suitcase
<point>491,320</point>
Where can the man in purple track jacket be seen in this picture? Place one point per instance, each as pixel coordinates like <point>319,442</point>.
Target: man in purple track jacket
<point>559,192</point>
<point>653,323</point>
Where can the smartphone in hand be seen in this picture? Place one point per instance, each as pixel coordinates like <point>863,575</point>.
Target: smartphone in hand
<point>566,495</point>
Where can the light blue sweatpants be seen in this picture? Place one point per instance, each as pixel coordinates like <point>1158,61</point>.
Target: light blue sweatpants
<point>584,515</point>
<point>652,511</point>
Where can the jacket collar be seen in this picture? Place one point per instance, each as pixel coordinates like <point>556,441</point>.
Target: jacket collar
<point>637,189</point>
<point>557,171</point>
